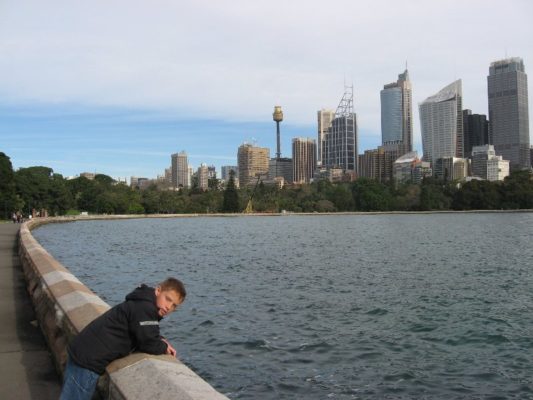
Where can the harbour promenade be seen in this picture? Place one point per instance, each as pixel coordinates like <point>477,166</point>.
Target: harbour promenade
<point>63,307</point>
<point>26,367</point>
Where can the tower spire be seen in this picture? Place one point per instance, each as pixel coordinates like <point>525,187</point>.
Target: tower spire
<point>278,117</point>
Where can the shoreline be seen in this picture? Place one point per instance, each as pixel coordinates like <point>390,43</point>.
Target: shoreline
<point>41,221</point>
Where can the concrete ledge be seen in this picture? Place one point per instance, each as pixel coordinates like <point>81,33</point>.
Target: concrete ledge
<point>64,306</point>
<point>170,378</point>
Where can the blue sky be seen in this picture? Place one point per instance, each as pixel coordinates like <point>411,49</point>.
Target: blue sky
<point>117,86</point>
<point>122,142</point>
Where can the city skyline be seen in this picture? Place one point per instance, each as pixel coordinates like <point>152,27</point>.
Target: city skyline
<point>118,88</point>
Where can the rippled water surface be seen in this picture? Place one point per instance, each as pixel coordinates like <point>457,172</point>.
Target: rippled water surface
<point>342,307</point>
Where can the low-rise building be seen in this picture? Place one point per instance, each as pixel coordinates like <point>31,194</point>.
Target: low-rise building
<point>451,168</point>
<point>409,168</point>
<point>378,163</point>
<point>280,168</point>
<point>226,170</point>
<point>487,165</point>
<point>88,175</point>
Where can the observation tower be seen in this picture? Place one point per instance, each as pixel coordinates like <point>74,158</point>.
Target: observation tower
<point>278,117</point>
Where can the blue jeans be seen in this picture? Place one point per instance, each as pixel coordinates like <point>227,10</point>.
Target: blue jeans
<point>79,383</point>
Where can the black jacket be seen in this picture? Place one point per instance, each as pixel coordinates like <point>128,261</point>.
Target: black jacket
<point>131,325</point>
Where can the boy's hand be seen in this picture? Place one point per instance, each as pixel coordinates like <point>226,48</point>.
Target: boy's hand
<point>170,350</point>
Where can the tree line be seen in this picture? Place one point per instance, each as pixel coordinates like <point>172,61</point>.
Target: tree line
<point>40,188</point>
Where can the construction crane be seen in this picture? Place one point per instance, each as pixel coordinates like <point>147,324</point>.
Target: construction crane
<point>249,208</point>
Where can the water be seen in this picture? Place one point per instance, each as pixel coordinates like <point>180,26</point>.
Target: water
<point>342,307</point>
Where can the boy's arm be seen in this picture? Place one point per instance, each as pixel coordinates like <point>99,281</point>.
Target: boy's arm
<point>145,329</point>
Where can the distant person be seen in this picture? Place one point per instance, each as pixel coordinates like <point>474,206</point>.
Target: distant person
<point>132,325</point>
<point>14,218</point>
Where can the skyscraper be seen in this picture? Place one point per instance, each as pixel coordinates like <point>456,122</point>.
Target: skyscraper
<point>203,176</point>
<point>252,161</point>
<point>475,131</point>
<point>441,122</point>
<point>304,159</point>
<point>180,170</point>
<point>397,114</point>
<point>508,111</point>
<point>324,118</point>
<point>340,144</point>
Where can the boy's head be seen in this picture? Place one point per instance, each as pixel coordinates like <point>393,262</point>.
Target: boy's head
<point>169,295</point>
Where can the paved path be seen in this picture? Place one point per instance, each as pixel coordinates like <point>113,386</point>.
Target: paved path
<point>26,368</point>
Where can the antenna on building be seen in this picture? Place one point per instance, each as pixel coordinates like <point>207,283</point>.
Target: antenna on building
<point>345,107</point>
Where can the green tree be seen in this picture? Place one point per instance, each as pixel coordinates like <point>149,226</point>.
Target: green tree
<point>342,197</point>
<point>9,200</point>
<point>86,194</point>
<point>323,186</point>
<point>370,195</point>
<point>287,200</point>
<point>477,195</point>
<point>325,206</point>
<point>231,197</point>
<point>127,200</point>
<point>77,186</point>
<point>40,188</point>
<point>167,202</point>
<point>434,195</point>
<point>105,203</point>
<point>104,180</point>
<point>407,198</point>
<point>213,183</point>
<point>517,190</point>
<point>151,200</point>
<point>195,184</point>
<point>61,199</point>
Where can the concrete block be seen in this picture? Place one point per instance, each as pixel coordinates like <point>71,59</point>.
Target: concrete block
<point>161,380</point>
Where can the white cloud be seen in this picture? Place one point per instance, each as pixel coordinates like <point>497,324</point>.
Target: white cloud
<point>237,59</point>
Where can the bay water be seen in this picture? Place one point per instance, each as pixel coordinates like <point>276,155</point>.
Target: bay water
<point>425,306</point>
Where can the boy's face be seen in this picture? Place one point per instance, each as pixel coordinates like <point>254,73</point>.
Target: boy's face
<point>167,301</point>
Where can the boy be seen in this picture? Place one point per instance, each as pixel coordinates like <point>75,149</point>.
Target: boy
<point>129,326</point>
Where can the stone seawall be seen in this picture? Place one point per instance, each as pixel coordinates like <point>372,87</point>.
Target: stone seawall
<point>64,306</point>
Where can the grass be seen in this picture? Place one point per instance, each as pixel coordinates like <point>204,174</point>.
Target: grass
<point>72,212</point>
